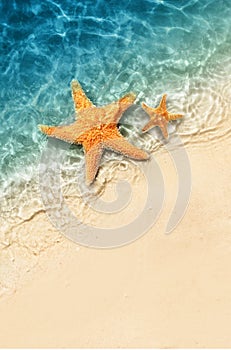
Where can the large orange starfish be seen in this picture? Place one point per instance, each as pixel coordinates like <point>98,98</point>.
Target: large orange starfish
<point>96,129</point>
<point>159,116</point>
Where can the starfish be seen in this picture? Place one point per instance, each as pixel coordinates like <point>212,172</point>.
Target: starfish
<point>159,116</point>
<point>96,129</point>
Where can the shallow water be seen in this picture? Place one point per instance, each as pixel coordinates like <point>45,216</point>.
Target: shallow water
<point>182,47</point>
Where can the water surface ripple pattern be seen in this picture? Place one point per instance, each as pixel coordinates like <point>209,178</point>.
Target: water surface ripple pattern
<point>182,47</point>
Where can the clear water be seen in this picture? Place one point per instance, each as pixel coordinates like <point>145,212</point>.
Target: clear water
<point>182,47</point>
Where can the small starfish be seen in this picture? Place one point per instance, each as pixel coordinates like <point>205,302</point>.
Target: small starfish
<point>96,129</point>
<point>159,116</point>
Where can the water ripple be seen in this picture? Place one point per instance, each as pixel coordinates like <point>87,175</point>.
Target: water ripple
<point>181,47</point>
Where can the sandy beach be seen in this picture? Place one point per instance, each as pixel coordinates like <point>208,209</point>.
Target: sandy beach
<point>160,291</point>
<point>80,272</point>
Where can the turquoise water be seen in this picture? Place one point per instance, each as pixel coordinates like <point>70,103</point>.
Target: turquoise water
<point>111,47</point>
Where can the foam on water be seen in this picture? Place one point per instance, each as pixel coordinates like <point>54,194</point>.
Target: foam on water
<point>182,47</point>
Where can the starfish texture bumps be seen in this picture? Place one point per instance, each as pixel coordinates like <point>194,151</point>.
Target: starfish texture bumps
<point>96,129</point>
<point>159,116</point>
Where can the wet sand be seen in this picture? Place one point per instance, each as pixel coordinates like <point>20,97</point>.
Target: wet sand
<point>160,291</point>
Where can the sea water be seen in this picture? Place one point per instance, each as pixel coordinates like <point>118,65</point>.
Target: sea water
<point>150,47</point>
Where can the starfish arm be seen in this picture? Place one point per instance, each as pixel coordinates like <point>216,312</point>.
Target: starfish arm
<point>146,108</point>
<point>121,145</point>
<point>113,112</point>
<point>174,116</point>
<point>162,104</point>
<point>159,121</point>
<point>148,126</point>
<point>93,156</point>
<point>151,111</point>
<point>65,132</point>
<point>127,100</point>
<point>81,101</point>
<point>164,129</point>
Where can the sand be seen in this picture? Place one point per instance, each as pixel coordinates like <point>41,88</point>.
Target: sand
<point>160,291</point>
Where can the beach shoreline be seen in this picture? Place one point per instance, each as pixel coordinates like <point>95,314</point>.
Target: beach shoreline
<point>177,284</point>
